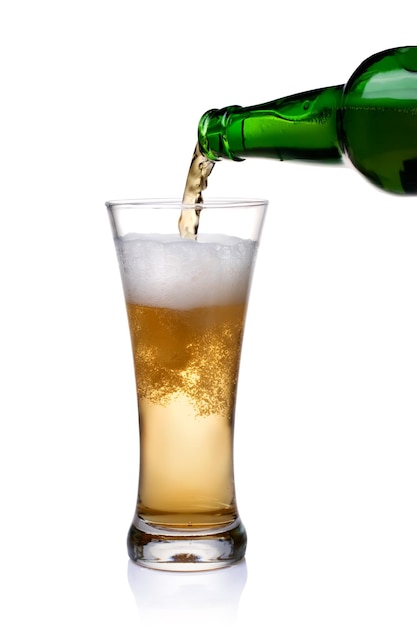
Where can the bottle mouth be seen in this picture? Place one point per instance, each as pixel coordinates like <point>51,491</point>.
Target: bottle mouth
<point>213,134</point>
<point>205,129</point>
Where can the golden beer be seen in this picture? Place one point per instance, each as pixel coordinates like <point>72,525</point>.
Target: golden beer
<point>186,365</point>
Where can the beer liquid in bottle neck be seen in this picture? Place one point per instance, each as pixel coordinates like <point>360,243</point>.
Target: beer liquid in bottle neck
<point>372,120</point>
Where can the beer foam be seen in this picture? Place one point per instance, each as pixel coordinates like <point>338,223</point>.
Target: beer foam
<point>169,271</point>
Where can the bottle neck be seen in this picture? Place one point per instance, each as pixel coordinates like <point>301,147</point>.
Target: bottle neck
<point>304,126</point>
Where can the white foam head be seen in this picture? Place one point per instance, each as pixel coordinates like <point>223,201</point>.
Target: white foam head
<point>168,271</point>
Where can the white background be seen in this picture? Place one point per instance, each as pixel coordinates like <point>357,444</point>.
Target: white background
<point>100,100</point>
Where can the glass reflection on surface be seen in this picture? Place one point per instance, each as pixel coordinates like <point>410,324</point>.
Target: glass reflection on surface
<point>182,597</point>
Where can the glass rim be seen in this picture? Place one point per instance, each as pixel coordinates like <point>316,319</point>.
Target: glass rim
<point>166,203</point>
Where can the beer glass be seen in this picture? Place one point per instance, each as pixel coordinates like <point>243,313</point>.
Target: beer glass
<point>186,301</point>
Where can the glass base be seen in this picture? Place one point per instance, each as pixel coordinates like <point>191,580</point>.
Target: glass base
<point>183,550</point>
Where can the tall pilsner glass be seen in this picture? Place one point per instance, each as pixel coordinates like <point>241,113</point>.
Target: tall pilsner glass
<point>186,303</point>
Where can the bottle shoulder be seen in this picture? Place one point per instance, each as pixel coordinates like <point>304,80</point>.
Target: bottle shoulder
<point>379,119</point>
<point>389,77</point>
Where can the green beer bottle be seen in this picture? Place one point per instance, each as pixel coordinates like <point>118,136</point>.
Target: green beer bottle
<point>372,120</point>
